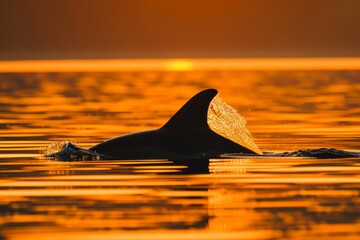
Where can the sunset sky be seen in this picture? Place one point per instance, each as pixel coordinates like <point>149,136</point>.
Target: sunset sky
<point>100,29</point>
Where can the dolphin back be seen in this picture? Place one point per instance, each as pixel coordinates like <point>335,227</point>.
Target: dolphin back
<point>186,135</point>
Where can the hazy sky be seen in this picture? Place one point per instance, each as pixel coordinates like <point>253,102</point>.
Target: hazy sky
<point>62,29</point>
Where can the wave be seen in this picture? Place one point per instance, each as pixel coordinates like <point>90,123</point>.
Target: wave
<point>68,151</point>
<point>320,153</point>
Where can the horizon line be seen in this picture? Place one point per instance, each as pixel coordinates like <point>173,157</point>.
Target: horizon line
<point>180,64</point>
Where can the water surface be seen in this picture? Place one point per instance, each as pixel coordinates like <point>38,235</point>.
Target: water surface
<point>228,198</point>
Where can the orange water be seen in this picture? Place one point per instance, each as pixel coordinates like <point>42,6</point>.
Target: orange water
<point>238,198</point>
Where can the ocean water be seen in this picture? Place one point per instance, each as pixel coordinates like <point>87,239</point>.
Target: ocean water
<point>234,197</point>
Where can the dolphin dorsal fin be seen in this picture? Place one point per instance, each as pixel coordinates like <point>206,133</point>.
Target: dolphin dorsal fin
<point>194,113</point>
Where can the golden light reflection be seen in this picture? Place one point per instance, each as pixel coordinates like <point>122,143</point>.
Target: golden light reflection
<point>232,198</point>
<point>70,192</point>
<point>153,235</point>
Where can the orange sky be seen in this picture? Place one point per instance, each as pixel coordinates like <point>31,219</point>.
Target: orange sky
<point>67,29</point>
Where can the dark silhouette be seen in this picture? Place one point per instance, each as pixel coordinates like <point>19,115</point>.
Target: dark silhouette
<point>185,136</point>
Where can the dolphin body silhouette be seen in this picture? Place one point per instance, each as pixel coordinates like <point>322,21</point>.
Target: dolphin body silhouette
<point>186,135</point>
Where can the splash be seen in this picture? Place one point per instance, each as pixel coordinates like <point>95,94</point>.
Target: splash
<point>225,121</point>
<point>68,151</point>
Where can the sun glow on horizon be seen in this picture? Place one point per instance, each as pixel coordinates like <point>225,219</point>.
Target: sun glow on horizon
<point>93,65</point>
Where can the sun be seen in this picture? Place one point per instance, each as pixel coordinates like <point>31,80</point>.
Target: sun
<point>179,65</point>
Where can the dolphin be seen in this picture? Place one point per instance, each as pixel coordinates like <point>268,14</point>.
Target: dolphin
<point>186,135</point>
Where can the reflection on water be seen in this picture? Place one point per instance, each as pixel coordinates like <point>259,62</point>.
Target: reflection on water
<point>229,198</point>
